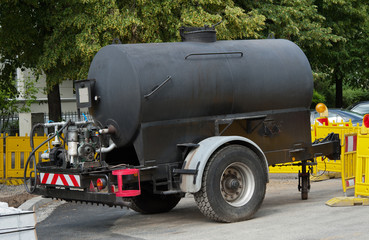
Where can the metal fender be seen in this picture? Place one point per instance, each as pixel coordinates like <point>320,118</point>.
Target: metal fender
<point>198,157</point>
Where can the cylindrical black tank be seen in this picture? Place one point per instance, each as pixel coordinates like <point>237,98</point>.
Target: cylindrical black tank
<point>205,79</point>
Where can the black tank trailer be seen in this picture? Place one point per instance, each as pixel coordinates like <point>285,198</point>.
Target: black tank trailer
<point>201,116</point>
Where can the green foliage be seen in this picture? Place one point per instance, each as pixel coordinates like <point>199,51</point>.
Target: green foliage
<point>296,20</point>
<point>352,95</point>
<point>27,94</point>
<point>333,34</point>
<point>346,61</point>
<point>90,25</point>
<point>317,98</point>
<point>60,38</point>
<point>8,102</point>
<point>9,105</point>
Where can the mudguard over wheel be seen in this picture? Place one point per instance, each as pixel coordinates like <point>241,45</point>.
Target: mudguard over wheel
<point>150,203</point>
<point>233,185</point>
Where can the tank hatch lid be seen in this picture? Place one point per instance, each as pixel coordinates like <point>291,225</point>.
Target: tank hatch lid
<point>198,34</point>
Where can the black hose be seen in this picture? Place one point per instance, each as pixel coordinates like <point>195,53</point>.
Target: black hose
<point>32,155</point>
<point>32,132</point>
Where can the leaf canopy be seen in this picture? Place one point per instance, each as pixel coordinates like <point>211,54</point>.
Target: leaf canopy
<point>60,38</point>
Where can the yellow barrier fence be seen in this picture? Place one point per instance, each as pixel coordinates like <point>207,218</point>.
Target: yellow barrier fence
<point>2,163</point>
<point>362,166</point>
<point>284,168</point>
<point>358,165</point>
<point>17,150</point>
<point>342,129</point>
<point>348,160</point>
<point>319,131</point>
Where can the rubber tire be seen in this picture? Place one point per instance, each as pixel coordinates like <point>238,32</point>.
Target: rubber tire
<point>149,203</point>
<point>210,200</point>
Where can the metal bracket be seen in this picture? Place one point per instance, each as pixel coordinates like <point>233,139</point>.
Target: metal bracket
<point>186,147</point>
<point>193,172</point>
<point>229,122</point>
<point>223,121</point>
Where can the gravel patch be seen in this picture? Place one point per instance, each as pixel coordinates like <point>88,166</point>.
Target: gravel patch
<point>14,195</point>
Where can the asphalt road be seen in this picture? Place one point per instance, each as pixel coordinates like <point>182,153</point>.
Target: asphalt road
<point>283,215</point>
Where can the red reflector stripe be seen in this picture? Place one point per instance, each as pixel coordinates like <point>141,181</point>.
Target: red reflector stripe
<point>350,143</point>
<point>350,182</point>
<point>74,181</point>
<point>55,178</point>
<point>60,179</point>
<point>44,179</point>
<point>323,121</point>
<point>355,143</point>
<point>63,180</point>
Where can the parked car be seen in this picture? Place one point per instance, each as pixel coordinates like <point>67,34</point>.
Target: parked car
<point>360,107</point>
<point>339,115</point>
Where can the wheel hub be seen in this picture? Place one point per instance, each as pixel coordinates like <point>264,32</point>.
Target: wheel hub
<point>236,184</point>
<point>231,184</point>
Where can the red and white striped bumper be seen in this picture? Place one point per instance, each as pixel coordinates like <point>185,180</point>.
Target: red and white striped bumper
<point>67,180</point>
<point>351,143</point>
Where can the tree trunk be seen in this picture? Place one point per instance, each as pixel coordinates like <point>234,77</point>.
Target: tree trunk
<point>339,94</point>
<point>54,104</point>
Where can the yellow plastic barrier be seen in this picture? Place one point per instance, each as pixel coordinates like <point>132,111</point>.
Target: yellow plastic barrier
<point>2,173</point>
<point>312,133</point>
<point>319,131</point>
<point>343,129</point>
<point>348,160</point>
<point>17,152</point>
<point>362,166</point>
<point>284,168</point>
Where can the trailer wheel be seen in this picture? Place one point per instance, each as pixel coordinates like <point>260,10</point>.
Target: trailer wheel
<point>150,203</point>
<point>233,185</point>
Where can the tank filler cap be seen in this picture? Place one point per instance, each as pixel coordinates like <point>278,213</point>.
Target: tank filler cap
<point>199,34</point>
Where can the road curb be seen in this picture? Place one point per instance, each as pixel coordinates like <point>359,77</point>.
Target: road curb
<point>34,203</point>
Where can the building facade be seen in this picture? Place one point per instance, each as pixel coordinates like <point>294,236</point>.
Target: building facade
<point>67,95</point>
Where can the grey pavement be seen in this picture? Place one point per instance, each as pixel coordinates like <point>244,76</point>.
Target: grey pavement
<point>283,215</point>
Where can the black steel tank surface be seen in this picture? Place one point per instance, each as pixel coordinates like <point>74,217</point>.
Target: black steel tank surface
<point>140,83</point>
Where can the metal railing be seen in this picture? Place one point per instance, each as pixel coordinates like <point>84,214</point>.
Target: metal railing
<point>71,116</point>
<point>10,124</point>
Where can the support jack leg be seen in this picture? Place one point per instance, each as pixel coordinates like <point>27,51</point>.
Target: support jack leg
<point>304,181</point>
